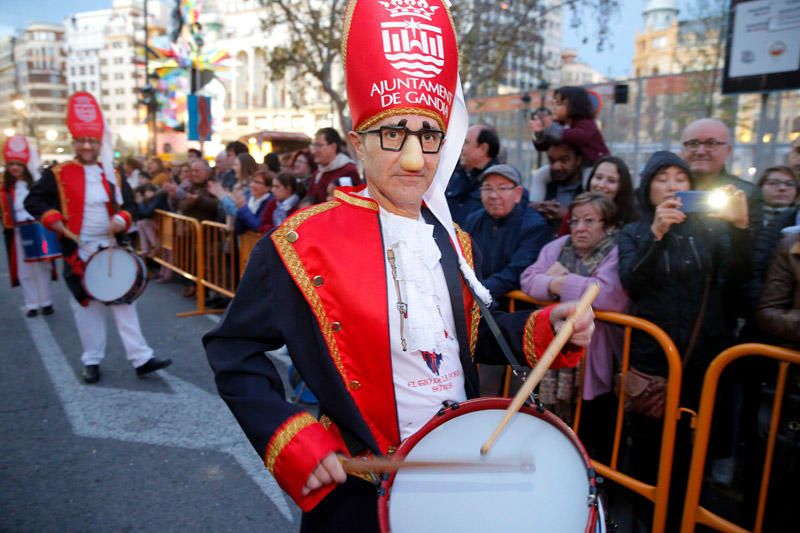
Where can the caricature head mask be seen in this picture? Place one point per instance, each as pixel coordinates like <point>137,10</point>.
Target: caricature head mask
<point>400,58</point>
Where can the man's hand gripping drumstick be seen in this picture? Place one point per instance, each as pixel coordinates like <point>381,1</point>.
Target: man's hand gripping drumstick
<point>574,322</point>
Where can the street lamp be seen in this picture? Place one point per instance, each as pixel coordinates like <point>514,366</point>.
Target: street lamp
<point>19,104</point>
<point>51,135</point>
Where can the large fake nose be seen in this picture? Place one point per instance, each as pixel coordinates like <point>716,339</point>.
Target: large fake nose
<point>411,159</point>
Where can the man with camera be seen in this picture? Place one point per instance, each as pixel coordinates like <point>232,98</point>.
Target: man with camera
<point>706,147</point>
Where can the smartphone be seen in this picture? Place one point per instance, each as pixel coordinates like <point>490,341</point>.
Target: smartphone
<point>700,201</point>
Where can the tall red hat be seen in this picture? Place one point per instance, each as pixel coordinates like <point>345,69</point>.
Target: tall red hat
<point>400,57</point>
<point>16,149</point>
<point>84,117</point>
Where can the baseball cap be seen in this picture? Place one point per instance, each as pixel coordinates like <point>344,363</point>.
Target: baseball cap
<point>507,171</point>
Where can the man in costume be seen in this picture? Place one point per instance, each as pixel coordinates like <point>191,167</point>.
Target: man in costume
<point>86,198</point>
<point>35,277</point>
<point>372,292</point>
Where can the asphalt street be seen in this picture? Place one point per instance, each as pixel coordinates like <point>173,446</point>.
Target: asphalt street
<point>159,453</point>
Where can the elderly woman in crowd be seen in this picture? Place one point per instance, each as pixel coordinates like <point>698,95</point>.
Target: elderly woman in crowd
<point>250,211</point>
<point>286,194</point>
<point>563,271</point>
<point>779,187</point>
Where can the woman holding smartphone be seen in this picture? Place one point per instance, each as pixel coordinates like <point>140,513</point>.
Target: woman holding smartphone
<point>674,266</point>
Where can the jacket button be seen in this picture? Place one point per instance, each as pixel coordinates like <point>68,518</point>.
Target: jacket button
<point>292,236</point>
<point>336,326</point>
<point>317,281</point>
<point>355,385</point>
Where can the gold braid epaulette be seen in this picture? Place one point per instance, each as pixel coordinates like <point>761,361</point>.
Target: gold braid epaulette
<point>283,237</point>
<point>465,241</point>
<point>62,197</point>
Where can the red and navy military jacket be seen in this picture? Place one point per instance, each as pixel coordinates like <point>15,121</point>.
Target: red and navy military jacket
<point>59,196</point>
<point>7,216</point>
<point>318,285</point>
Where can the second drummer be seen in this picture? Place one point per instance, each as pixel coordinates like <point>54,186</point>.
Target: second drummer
<point>78,201</point>
<point>34,277</point>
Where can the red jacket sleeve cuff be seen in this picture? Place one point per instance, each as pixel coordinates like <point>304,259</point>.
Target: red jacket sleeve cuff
<point>538,334</point>
<point>51,217</point>
<point>294,452</point>
<point>126,217</point>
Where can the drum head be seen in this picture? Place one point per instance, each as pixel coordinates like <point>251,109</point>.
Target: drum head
<point>108,288</point>
<point>551,494</point>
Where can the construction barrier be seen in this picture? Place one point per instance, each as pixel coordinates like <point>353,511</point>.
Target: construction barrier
<point>658,493</point>
<point>180,250</point>
<point>220,260</point>
<point>693,512</point>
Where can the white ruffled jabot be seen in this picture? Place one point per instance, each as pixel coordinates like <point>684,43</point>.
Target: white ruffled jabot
<point>416,256</point>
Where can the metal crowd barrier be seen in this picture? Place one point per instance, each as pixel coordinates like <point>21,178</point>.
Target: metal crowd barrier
<point>693,512</point>
<point>658,493</point>
<point>220,260</point>
<point>247,241</point>
<point>181,245</point>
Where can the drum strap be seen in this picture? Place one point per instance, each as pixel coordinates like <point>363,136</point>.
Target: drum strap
<point>518,369</point>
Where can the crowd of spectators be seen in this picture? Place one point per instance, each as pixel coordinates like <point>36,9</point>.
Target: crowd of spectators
<point>708,278</point>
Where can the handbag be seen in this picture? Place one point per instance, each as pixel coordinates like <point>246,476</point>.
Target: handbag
<point>645,393</point>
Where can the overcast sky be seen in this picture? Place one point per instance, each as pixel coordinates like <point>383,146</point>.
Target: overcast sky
<point>614,60</point>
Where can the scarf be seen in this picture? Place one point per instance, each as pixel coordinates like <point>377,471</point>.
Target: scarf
<point>586,265</point>
<point>282,209</point>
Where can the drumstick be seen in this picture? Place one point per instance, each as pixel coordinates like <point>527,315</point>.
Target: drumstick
<point>544,363</point>
<point>379,465</point>
<point>110,249</point>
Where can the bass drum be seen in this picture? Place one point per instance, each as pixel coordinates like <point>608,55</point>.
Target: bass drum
<point>122,283</point>
<point>554,490</point>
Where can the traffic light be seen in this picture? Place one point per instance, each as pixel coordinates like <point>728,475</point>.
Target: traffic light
<point>147,97</point>
<point>621,93</point>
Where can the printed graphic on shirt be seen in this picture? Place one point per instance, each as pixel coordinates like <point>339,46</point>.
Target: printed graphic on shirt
<point>433,360</point>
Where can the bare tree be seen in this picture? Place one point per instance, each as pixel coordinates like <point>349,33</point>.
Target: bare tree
<point>488,31</point>
<point>313,46</point>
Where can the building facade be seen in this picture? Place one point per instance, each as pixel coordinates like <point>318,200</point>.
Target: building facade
<point>8,88</point>
<point>574,72</point>
<point>40,101</point>
<point>252,100</point>
<point>668,45</point>
<point>101,51</point>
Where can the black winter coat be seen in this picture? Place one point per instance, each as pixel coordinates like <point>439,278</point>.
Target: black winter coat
<point>666,281</point>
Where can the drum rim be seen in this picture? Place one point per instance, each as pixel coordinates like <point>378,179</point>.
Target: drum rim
<point>469,406</point>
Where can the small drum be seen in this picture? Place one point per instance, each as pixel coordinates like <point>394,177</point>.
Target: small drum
<point>553,490</point>
<point>122,283</point>
<point>38,242</point>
